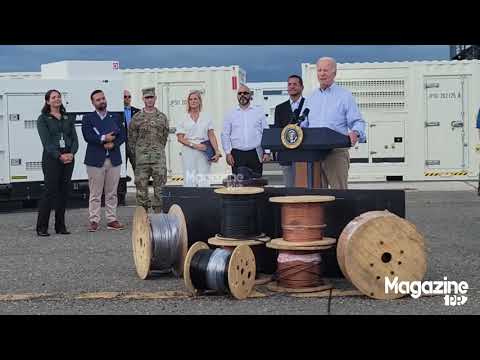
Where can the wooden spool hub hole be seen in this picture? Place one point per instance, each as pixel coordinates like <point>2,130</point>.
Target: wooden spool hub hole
<point>386,257</point>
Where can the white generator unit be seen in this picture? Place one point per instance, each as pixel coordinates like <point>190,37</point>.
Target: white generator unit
<point>421,118</point>
<point>218,86</point>
<point>21,101</point>
<point>20,75</point>
<point>268,95</point>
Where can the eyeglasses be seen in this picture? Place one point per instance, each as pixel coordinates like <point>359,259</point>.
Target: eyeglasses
<point>243,93</point>
<point>149,97</point>
<point>127,97</point>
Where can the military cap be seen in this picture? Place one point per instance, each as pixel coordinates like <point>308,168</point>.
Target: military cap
<point>148,91</point>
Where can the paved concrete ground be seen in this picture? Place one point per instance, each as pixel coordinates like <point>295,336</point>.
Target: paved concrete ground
<point>66,266</point>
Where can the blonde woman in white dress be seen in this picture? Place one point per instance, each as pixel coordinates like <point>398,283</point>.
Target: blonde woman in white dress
<point>194,129</point>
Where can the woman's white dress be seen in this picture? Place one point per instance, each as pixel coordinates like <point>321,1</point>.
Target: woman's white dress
<point>196,167</point>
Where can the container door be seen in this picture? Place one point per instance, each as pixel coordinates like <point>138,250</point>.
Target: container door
<point>387,142</point>
<point>445,123</point>
<point>4,158</point>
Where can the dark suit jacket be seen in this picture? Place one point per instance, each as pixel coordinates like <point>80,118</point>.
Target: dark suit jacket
<point>134,111</point>
<point>283,117</point>
<point>284,114</point>
<point>93,127</point>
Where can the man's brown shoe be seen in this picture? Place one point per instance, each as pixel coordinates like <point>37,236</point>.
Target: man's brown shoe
<point>115,225</point>
<point>93,227</point>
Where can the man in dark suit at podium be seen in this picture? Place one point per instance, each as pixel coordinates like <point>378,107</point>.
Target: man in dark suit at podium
<point>334,107</point>
<point>284,114</point>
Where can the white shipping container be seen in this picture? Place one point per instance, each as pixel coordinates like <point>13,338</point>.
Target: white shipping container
<point>218,85</point>
<point>20,104</point>
<point>21,100</point>
<point>268,95</point>
<point>219,88</point>
<point>20,75</point>
<point>421,118</point>
<point>82,70</point>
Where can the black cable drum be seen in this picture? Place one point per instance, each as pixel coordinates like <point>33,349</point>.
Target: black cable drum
<point>203,278</point>
<point>165,232</point>
<point>221,270</point>
<point>240,217</point>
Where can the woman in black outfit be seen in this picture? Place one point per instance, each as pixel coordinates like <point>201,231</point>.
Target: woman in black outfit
<point>60,143</point>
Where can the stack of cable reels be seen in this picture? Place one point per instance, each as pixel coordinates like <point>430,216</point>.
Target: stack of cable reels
<point>159,242</point>
<point>378,245</point>
<point>299,259</point>
<point>220,271</point>
<point>240,224</point>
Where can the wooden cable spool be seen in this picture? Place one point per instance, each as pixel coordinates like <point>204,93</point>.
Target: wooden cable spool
<point>241,271</point>
<point>303,217</point>
<point>231,244</point>
<point>142,242</point>
<point>379,244</point>
<point>303,223</point>
<point>239,238</point>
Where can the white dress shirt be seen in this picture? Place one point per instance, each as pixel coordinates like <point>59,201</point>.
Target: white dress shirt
<point>243,129</point>
<point>296,104</point>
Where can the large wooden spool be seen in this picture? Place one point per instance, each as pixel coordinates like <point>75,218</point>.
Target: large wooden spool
<point>379,244</point>
<point>142,242</point>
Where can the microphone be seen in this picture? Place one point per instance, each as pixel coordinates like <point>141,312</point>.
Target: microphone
<point>303,116</point>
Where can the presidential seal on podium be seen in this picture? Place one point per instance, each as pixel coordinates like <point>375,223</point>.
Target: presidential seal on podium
<point>292,136</point>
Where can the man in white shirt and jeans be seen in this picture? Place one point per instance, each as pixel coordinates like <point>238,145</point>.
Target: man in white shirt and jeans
<point>242,134</point>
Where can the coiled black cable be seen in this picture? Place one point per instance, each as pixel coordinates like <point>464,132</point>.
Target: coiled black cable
<point>165,233</point>
<point>209,270</point>
<point>240,217</point>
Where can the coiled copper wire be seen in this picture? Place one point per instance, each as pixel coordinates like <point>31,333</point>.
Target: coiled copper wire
<point>303,271</point>
<point>303,222</point>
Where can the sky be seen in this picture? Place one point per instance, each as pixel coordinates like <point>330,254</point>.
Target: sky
<point>261,62</point>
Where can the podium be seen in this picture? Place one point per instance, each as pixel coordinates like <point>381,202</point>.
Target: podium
<point>316,144</point>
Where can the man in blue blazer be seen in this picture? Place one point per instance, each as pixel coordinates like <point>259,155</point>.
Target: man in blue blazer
<point>104,133</point>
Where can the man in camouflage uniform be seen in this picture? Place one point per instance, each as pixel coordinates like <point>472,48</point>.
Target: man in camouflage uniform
<point>147,135</point>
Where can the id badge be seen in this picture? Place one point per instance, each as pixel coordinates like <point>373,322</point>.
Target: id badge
<point>62,143</point>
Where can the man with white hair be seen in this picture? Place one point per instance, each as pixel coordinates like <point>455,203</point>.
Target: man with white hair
<point>334,107</point>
